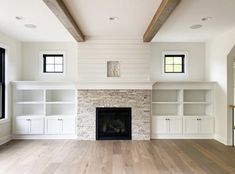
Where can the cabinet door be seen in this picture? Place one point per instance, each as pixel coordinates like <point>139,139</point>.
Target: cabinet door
<point>174,125</point>
<point>52,126</point>
<point>21,126</point>
<point>68,126</point>
<point>206,125</point>
<point>36,125</point>
<point>159,125</point>
<point>190,125</point>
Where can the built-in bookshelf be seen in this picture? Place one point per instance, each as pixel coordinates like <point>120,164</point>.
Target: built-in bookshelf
<point>178,107</point>
<point>44,107</point>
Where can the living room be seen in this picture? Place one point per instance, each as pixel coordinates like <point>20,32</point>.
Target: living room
<point>117,86</point>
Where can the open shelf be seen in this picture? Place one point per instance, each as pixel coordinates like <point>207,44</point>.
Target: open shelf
<point>60,96</point>
<point>197,109</point>
<point>22,96</point>
<point>29,109</point>
<point>192,95</point>
<point>166,109</point>
<point>60,109</point>
<point>165,95</point>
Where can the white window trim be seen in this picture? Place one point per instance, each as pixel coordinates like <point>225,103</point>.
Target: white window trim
<point>41,63</point>
<point>7,118</point>
<point>185,63</point>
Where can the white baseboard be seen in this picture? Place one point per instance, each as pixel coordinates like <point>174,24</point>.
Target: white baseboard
<point>221,140</point>
<point>43,137</point>
<point>154,136</point>
<point>5,139</point>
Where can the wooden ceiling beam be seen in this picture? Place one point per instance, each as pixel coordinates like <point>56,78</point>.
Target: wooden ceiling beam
<point>163,12</point>
<point>59,8</point>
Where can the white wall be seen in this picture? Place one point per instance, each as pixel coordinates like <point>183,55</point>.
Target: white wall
<point>196,61</point>
<point>31,69</point>
<point>87,62</point>
<point>93,55</point>
<point>217,51</point>
<point>13,62</point>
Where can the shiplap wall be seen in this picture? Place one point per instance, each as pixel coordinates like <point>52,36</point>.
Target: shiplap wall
<point>134,58</point>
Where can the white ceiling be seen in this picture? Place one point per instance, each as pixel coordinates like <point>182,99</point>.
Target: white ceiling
<point>48,28</point>
<point>92,16</point>
<point>134,18</point>
<point>190,12</point>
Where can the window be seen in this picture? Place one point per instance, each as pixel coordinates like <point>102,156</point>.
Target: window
<point>174,63</point>
<point>2,83</point>
<point>53,63</point>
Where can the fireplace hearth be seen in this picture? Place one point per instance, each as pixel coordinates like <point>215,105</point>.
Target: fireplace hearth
<point>113,123</point>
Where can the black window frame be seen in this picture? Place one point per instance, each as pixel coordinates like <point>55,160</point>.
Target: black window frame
<point>3,82</point>
<point>182,64</point>
<point>53,55</point>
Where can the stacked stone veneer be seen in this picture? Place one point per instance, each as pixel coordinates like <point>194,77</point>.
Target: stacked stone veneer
<point>138,100</point>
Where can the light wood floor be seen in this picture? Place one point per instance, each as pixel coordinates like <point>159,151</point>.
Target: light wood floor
<point>116,157</point>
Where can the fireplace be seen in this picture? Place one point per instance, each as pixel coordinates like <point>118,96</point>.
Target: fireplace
<point>113,123</point>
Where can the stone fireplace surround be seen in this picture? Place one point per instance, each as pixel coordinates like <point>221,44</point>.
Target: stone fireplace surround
<point>139,100</point>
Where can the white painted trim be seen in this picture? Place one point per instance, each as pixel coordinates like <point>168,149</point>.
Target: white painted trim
<point>82,85</point>
<point>31,137</point>
<point>5,139</point>
<point>155,136</point>
<point>115,85</point>
<point>221,139</point>
<point>42,85</point>
<point>4,121</point>
<point>185,64</point>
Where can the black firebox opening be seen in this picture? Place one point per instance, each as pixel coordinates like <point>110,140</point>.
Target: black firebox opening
<point>113,123</point>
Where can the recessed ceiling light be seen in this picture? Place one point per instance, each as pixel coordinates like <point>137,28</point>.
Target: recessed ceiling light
<point>206,18</point>
<point>113,18</point>
<point>31,26</point>
<point>19,17</point>
<point>197,26</point>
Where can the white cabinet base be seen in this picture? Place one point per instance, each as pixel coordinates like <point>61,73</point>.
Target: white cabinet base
<point>29,125</point>
<point>60,125</point>
<point>171,125</point>
<point>198,125</point>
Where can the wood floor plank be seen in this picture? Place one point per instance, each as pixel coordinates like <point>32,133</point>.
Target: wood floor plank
<point>116,157</point>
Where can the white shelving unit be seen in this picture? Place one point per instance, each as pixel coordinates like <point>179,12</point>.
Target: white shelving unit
<point>182,110</point>
<point>44,109</point>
